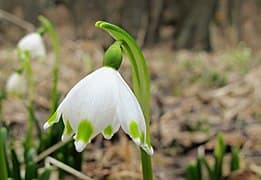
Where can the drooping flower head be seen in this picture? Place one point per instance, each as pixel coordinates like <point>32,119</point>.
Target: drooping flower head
<point>16,84</point>
<point>33,43</point>
<point>102,102</point>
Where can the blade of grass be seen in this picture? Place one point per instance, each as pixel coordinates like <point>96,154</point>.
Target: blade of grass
<point>16,166</point>
<point>219,153</point>
<point>45,175</point>
<point>235,160</point>
<point>30,171</point>
<point>3,166</point>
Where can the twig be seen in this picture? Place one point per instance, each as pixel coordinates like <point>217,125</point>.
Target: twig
<point>126,174</point>
<point>49,160</point>
<point>17,21</point>
<point>255,168</point>
<point>50,150</point>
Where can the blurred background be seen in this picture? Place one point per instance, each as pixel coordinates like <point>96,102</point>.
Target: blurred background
<point>202,25</point>
<point>204,59</point>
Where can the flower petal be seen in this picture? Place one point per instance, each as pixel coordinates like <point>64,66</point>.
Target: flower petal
<point>67,131</point>
<point>130,115</point>
<point>16,85</point>
<point>92,99</point>
<point>54,118</point>
<point>111,129</point>
<point>34,44</point>
<point>79,145</point>
<point>83,134</point>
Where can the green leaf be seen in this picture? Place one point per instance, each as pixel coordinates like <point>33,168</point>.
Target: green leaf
<point>209,170</point>
<point>45,175</point>
<point>3,159</point>
<point>219,153</point>
<point>198,168</point>
<point>16,165</point>
<point>30,154</point>
<point>30,166</point>
<point>235,160</point>
<point>30,171</point>
<point>192,172</point>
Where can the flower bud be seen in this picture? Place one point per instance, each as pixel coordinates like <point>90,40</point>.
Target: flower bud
<point>33,43</point>
<point>16,85</point>
<point>113,56</point>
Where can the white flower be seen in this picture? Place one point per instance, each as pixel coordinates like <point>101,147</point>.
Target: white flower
<point>102,102</point>
<point>16,84</point>
<point>33,43</point>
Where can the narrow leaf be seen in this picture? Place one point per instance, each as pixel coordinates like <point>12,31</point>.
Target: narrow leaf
<point>16,166</point>
<point>30,171</point>
<point>219,153</point>
<point>235,160</point>
<point>45,175</point>
<point>3,159</point>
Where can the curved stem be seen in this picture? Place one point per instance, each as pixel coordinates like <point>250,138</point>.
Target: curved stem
<point>25,57</point>
<point>30,106</point>
<point>55,43</point>
<point>140,80</point>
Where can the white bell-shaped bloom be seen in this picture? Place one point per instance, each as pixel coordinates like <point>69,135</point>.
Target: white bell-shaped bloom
<point>102,102</point>
<point>33,43</point>
<point>16,85</point>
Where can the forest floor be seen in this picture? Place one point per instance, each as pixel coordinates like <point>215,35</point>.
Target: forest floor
<point>195,95</point>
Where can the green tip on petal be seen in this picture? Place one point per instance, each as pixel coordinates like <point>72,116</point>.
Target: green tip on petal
<point>51,121</point>
<point>107,132</point>
<point>68,131</point>
<point>113,56</point>
<point>84,132</point>
<point>134,129</point>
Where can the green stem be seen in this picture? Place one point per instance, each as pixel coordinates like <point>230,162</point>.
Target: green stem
<point>31,86</point>
<point>140,79</point>
<point>25,58</point>
<point>55,43</point>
